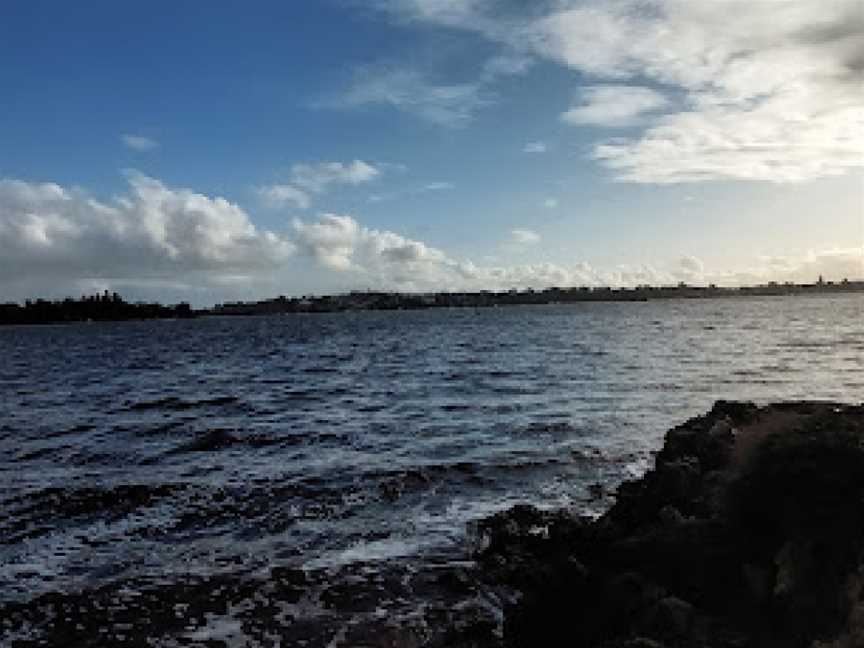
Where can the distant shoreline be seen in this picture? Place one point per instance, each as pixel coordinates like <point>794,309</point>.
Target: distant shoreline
<point>112,308</point>
<point>363,301</point>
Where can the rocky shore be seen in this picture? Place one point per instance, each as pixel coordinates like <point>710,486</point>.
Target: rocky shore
<point>747,533</point>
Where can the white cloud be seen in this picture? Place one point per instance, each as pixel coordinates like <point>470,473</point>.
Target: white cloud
<point>766,142</point>
<point>415,191</point>
<point>447,12</point>
<point>372,257</point>
<point>535,147</point>
<point>692,265</point>
<point>318,177</point>
<point>414,91</point>
<point>279,195</point>
<point>178,242</point>
<point>773,94</point>
<point>504,65</point>
<point>524,237</point>
<point>309,178</point>
<point>330,240</point>
<point>54,234</point>
<point>832,264</point>
<point>365,257</point>
<point>139,143</point>
<point>614,105</point>
<point>550,203</point>
<point>445,104</point>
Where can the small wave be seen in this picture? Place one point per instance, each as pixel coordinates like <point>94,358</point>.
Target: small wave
<point>553,427</point>
<point>36,454</point>
<point>221,438</point>
<point>209,441</point>
<point>303,394</point>
<point>456,407</point>
<point>40,512</point>
<point>178,404</point>
<point>161,429</point>
<point>81,428</point>
<point>746,373</point>
<point>502,374</point>
<point>321,370</point>
<point>808,344</point>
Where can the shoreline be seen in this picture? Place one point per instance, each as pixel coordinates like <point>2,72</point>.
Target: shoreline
<point>12,314</point>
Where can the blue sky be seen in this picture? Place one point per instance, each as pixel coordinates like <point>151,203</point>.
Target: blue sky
<point>211,151</point>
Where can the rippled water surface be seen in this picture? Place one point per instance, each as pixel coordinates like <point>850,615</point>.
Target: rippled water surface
<point>155,450</point>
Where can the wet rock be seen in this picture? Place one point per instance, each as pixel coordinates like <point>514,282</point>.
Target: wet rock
<point>747,532</point>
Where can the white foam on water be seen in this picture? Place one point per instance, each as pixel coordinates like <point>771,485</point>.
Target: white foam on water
<point>227,629</point>
<point>372,551</point>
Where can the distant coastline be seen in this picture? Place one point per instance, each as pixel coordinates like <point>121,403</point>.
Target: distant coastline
<point>112,307</point>
<point>379,300</point>
<point>106,307</point>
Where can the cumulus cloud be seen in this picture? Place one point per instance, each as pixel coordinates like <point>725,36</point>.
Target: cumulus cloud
<point>330,241</point>
<point>535,147</point>
<point>614,105</point>
<point>318,177</point>
<point>279,195</point>
<point>153,232</point>
<point>773,94</point>
<point>139,143</point>
<point>369,257</point>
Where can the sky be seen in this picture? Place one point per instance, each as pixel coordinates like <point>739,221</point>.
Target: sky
<point>208,152</point>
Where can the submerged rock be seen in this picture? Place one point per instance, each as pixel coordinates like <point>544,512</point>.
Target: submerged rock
<point>748,532</point>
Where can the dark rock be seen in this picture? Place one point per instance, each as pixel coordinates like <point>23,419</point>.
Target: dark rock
<point>671,618</point>
<point>747,533</point>
<point>737,411</point>
<point>631,593</point>
<point>596,491</point>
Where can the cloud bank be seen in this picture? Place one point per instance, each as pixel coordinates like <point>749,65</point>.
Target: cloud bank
<point>59,241</point>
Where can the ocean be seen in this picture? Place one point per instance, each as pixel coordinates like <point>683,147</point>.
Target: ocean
<point>181,468</point>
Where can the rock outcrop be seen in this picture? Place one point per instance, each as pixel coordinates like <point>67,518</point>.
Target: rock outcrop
<point>748,532</point>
